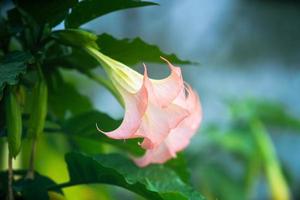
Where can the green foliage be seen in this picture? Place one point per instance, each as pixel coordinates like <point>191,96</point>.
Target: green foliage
<point>234,141</point>
<point>11,67</point>
<point>28,189</point>
<point>153,182</point>
<point>133,51</point>
<point>271,113</point>
<point>70,57</point>
<point>180,166</point>
<point>13,117</point>
<point>9,27</point>
<point>38,109</point>
<point>127,51</point>
<point>219,183</point>
<point>277,183</point>
<point>88,10</point>
<point>61,103</point>
<point>47,12</point>
<point>76,37</point>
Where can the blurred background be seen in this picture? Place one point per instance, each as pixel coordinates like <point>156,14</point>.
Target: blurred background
<point>248,78</point>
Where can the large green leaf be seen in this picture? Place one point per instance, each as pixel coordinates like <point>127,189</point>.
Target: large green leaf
<point>47,11</point>
<point>87,10</point>
<point>133,51</point>
<point>153,182</point>
<point>84,125</point>
<point>11,67</point>
<point>128,51</point>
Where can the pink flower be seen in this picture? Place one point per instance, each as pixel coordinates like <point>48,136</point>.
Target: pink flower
<point>179,137</point>
<point>159,111</point>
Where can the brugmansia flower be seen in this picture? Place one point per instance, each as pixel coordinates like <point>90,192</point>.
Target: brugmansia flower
<point>179,137</point>
<point>165,113</point>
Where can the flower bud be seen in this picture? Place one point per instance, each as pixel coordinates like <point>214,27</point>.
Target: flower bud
<point>13,122</point>
<point>38,109</point>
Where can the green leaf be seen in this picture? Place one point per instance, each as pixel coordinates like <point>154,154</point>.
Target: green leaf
<point>60,102</point>
<point>153,182</point>
<point>84,125</point>
<point>133,51</point>
<point>50,12</point>
<point>88,10</point>
<point>179,165</point>
<point>11,67</point>
<point>75,37</point>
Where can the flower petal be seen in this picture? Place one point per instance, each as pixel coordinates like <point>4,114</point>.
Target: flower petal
<point>135,107</point>
<point>157,155</point>
<point>157,123</point>
<point>164,91</point>
<point>180,136</point>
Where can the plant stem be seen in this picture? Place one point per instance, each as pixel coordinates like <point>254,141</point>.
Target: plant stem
<point>2,155</point>
<point>30,172</point>
<point>10,178</point>
<point>277,183</point>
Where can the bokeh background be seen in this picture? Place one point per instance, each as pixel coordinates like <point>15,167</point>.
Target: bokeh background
<point>247,73</point>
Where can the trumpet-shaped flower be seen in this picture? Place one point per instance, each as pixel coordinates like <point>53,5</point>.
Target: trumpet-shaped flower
<point>179,137</point>
<point>159,111</point>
